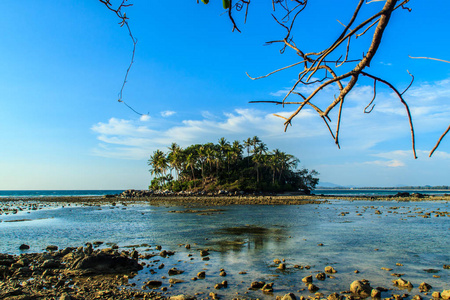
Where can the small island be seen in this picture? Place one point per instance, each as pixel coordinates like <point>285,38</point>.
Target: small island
<point>246,167</point>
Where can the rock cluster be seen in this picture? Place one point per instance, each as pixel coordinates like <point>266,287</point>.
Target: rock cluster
<point>70,273</point>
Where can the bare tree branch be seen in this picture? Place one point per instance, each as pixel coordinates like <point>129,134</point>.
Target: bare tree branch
<point>439,141</point>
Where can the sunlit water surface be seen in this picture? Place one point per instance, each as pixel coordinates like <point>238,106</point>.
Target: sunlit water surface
<point>248,239</point>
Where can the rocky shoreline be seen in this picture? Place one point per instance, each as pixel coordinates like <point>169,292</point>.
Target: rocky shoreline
<point>218,199</point>
<point>89,273</point>
<point>94,272</point>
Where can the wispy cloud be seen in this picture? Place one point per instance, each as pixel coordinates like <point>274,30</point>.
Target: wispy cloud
<point>167,113</point>
<point>390,163</point>
<point>127,135</point>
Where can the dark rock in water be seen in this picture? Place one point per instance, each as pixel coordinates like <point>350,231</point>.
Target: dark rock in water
<point>182,297</point>
<point>402,194</point>
<point>334,296</point>
<point>24,247</point>
<point>107,264</point>
<point>257,284</point>
<point>289,296</point>
<point>330,269</point>
<point>424,287</point>
<point>153,284</point>
<point>51,248</point>
<point>321,276</point>
<point>402,283</point>
<point>361,288</point>
<point>175,271</point>
<point>376,293</point>
<point>268,287</point>
<point>312,288</point>
<point>201,274</point>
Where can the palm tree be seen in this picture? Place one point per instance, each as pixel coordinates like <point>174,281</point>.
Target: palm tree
<point>247,144</point>
<point>202,157</point>
<point>224,147</point>
<point>259,150</point>
<point>158,163</point>
<point>209,155</point>
<point>175,158</point>
<point>236,151</point>
<point>190,163</point>
<point>255,141</point>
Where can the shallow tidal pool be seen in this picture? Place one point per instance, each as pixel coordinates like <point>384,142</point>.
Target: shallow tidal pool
<point>410,238</point>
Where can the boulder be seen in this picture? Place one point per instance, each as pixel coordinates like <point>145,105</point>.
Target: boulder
<point>175,271</point>
<point>289,296</point>
<point>436,295</point>
<point>445,294</point>
<point>376,293</point>
<point>330,269</point>
<point>312,288</point>
<point>104,263</point>
<point>257,284</point>
<point>307,279</point>
<point>182,297</point>
<point>401,283</point>
<point>361,288</point>
<point>321,276</point>
<point>153,284</point>
<point>335,296</point>
<point>268,287</point>
<point>24,247</point>
<point>424,287</point>
<point>51,248</point>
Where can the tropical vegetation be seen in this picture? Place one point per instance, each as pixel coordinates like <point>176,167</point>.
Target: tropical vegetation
<point>248,166</point>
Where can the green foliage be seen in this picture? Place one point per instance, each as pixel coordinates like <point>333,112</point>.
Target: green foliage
<point>224,165</point>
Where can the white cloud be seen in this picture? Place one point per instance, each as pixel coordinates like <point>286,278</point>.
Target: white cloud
<point>390,163</point>
<point>144,118</point>
<point>167,113</point>
<point>126,136</point>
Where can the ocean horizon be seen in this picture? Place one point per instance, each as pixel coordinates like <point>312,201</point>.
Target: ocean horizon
<point>56,193</point>
<point>319,191</point>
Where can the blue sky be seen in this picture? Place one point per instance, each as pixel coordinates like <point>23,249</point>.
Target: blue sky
<point>62,65</point>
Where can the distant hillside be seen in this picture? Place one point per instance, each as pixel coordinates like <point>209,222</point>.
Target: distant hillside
<point>328,185</point>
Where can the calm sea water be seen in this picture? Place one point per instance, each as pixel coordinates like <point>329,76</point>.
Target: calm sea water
<point>342,192</point>
<point>56,193</point>
<point>376,192</point>
<point>248,238</point>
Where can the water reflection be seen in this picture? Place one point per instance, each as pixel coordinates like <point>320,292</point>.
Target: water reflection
<point>248,237</point>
